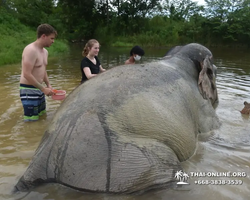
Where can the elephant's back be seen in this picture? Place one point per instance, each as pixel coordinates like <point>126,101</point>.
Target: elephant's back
<point>111,89</point>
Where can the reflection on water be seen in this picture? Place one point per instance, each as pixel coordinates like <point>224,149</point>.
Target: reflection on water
<point>223,150</point>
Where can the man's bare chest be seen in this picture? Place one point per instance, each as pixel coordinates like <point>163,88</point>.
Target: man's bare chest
<point>41,60</point>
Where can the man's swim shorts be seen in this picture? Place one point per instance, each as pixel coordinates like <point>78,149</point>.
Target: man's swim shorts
<point>33,101</point>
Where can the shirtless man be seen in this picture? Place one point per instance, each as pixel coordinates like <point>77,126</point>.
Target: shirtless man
<point>34,62</point>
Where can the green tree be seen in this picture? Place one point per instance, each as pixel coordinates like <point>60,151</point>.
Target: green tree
<point>32,12</point>
<point>79,17</point>
<point>180,10</point>
<point>131,14</point>
<point>228,20</point>
<point>239,24</point>
<point>222,8</point>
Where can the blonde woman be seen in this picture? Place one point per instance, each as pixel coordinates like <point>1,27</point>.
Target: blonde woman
<point>90,64</point>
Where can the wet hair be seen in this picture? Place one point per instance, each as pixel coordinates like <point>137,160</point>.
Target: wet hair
<point>45,29</point>
<point>88,46</point>
<point>137,50</point>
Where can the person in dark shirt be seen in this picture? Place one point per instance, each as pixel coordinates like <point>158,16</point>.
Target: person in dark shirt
<point>90,64</point>
<point>135,55</point>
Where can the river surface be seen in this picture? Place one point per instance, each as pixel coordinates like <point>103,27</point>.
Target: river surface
<point>224,150</point>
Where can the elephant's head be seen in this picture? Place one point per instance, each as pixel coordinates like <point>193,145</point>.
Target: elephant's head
<point>203,60</point>
<point>246,109</point>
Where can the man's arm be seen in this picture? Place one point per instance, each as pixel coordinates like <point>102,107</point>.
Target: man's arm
<point>46,80</point>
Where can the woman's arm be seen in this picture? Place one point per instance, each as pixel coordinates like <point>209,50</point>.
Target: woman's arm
<point>88,73</point>
<point>101,69</point>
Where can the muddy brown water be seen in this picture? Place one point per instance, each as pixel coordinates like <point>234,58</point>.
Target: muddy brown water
<point>223,151</point>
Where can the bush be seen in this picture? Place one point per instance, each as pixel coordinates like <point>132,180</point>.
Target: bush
<point>14,36</point>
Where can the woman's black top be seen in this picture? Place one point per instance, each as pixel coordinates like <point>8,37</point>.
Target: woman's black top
<point>94,68</point>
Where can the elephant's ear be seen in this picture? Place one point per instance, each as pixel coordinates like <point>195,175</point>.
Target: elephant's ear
<point>206,82</point>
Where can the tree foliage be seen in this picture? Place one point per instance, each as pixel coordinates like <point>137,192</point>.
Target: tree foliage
<point>150,21</point>
<point>31,12</point>
<point>228,20</point>
<point>180,10</point>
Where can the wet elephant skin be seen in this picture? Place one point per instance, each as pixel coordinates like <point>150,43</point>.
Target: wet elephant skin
<point>127,130</point>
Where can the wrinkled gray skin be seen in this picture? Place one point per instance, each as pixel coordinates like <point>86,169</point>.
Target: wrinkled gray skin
<point>128,129</point>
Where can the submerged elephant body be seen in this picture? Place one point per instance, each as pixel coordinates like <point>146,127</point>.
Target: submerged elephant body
<point>128,129</point>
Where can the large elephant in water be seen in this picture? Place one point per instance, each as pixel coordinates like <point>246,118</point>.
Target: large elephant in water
<point>128,129</point>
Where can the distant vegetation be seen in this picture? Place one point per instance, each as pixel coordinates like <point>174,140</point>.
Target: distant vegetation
<point>123,23</point>
<point>14,36</point>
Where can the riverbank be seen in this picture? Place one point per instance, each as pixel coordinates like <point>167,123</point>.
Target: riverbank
<point>12,44</point>
<point>14,36</point>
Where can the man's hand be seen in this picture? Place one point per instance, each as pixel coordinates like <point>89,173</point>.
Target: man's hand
<point>49,86</point>
<point>47,91</point>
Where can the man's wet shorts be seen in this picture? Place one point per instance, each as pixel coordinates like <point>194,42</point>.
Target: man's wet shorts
<point>33,101</point>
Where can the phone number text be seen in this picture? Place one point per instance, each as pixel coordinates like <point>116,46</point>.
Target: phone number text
<point>218,182</point>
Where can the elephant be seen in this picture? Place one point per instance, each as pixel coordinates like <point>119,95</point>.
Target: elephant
<point>246,109</point>
<point>128,129</point>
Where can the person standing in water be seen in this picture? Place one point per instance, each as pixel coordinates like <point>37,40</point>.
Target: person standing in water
<point>135,55</point>
<point>90,64</point>
<point>34,62</point>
